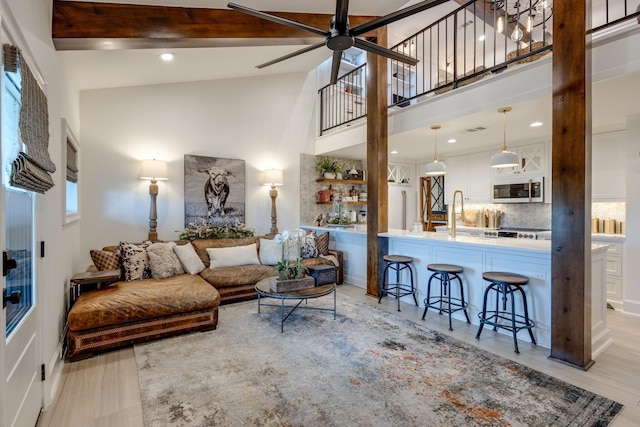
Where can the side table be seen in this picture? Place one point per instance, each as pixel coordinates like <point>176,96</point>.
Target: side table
<point>90,278</point>
<point>75,289</point>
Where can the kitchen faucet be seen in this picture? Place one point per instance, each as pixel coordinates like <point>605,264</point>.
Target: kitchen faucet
<point>453,211</point>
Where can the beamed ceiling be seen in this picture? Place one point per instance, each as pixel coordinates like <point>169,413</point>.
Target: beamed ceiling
<point>117,44</point>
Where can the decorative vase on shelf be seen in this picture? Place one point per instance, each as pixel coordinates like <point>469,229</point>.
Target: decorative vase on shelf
<point>329,175</point>
<point>338,175</point>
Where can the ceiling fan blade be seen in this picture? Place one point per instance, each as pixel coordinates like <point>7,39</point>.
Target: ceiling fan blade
<point>335,66</point>
<point>291,55</point>
<point>383,51</point>
<point>277,19</point>
<point>395,16</point>
<point>341,17</point>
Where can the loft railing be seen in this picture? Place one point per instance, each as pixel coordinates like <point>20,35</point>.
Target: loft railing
<point>478,39</point>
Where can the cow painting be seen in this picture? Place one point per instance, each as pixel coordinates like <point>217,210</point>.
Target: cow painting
<point>216,190</point>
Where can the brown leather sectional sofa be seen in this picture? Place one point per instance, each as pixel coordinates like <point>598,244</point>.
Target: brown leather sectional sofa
<point>141,310</point>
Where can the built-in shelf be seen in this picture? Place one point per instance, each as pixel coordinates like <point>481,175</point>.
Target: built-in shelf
<point>343,181</point>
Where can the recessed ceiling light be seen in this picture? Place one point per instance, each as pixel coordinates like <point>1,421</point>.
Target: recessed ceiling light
<point>481,38</point>
<point>394,152</point>
<point>167,57</point>
<point>535,124</point>
<point>451,140</point>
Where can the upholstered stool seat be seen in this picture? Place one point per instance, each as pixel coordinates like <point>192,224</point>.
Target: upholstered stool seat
<point>397,263</point>
<point>507,285</point>
<point>443,302</point>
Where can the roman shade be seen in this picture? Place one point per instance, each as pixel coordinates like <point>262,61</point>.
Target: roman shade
<point>32,169</point>
<point>72,162</point>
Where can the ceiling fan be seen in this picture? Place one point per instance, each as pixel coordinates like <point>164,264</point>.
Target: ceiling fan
<point>340,36</point>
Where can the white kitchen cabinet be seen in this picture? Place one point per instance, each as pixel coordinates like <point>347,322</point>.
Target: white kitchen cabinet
<point>608,176</point>
<point>614,268</point>
<point>470,173</point>
<point>532,161</point>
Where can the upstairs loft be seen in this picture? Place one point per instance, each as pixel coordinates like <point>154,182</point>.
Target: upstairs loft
<point>499,57</point>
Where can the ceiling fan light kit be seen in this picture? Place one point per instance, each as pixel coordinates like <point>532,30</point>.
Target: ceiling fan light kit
<point>340,36</point>
<point>506,158</point>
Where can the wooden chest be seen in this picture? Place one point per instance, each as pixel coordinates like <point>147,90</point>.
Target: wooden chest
<point>323,274</point>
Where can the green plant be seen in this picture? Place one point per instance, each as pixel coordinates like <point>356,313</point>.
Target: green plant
<point>325,164</point>
<point>206,231</point>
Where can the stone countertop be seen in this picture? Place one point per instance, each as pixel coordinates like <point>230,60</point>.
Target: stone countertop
<point>426,236</point>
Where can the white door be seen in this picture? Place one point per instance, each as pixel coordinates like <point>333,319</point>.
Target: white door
<point>21,386</point>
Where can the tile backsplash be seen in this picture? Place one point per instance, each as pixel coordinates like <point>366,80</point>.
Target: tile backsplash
<point>538,215</point>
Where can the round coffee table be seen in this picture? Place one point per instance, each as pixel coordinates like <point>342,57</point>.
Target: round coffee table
<point>263,288</point>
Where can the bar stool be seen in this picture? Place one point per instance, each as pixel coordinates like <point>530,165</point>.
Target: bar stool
<point>506,284</point>
<point>445,273</point>
<point>397,263</point>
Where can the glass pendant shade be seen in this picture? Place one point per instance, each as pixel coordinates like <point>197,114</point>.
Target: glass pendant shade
<point>506,158</point>
<point>435,168</point>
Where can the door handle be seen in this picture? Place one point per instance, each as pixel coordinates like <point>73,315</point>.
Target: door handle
<point>13,298</point>
<point>8,263</point>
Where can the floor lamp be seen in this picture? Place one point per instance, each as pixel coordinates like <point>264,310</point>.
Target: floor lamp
<point>154,170</point>
<point>274,178</point>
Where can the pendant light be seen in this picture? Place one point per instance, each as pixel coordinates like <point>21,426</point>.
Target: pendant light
<point>435,168</point>
<point>505,159</point>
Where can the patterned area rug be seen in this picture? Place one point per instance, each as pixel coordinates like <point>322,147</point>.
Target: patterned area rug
<point>366,368</point>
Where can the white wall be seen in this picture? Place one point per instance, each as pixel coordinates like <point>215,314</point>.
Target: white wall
<point>266,121</point>
<point>631,290</point>
<point>33,18</point>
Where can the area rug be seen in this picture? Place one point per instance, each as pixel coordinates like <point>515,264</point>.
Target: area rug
<point>366,368</point>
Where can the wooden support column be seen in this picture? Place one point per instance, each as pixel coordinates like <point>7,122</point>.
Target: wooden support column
<point>571,174</point>
<point>377,187</point>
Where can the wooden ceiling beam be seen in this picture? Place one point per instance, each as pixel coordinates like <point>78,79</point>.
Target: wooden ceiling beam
<point>88,26</point>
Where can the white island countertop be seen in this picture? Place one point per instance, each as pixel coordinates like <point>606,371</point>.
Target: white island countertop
<point>526,245</point>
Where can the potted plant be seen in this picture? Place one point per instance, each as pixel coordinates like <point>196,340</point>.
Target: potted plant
<point>339,170</point>
<point>327,167</point>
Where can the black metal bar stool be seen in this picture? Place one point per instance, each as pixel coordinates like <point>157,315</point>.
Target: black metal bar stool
<point>397,289</point>
<point>506,284</point>
<point>444,303</point>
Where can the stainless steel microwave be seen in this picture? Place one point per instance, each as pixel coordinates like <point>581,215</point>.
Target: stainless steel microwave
<point>518,189</point>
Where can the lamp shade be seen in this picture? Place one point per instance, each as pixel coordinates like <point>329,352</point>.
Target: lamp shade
<point>505,159</point>
<point>435,168</point>
<point>153,169</point>
<point>273,177</point>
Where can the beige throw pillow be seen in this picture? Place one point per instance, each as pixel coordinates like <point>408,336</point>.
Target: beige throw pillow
<point>189,259</point>
<point>271,251</point>
<point>233,256</point>
<point>163,261</point>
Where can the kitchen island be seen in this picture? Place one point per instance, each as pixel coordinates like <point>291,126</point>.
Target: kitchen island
<point>531,258</point>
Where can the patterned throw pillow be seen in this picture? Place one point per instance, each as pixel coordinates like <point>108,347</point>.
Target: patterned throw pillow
<point>322,242</point>
<point>135,261</point>
<point>163,261</point>
<point>309,246</point>
<point>105,260</point>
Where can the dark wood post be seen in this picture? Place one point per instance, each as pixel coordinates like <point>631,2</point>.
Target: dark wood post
<point>377,187</point>
<point>571,175</point>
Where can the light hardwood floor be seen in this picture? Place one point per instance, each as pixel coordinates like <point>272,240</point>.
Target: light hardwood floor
<point>103,391</point>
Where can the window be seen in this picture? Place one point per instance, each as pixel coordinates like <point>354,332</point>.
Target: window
<point>71,158</point>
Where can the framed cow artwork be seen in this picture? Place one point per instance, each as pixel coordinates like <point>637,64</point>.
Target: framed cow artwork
<point>214,191</point>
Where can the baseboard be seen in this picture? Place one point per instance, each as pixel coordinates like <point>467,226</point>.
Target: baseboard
<point>53,375</point>
<point>631,307</point>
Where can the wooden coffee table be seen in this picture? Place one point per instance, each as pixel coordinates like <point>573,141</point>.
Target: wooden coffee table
<point>263,288</point>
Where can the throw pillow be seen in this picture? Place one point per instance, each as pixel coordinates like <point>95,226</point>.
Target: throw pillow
<point>271,251</point>
<point>233,256</point>
<point>163,261</point>
<point>105,260</point>
<point>189,259</point>
<point>322,242</point>
<point>135,261</point>
<point>309,246</point>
